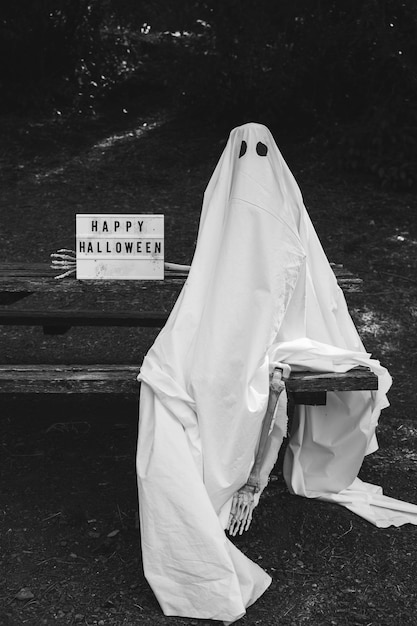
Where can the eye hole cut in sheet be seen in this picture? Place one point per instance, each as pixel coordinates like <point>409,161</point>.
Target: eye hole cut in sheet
<point>261,149</point>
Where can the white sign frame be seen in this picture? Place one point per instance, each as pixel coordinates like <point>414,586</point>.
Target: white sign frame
<point>119,246</point>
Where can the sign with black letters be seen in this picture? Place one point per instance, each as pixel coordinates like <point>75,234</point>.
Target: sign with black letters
<point>120,246</point>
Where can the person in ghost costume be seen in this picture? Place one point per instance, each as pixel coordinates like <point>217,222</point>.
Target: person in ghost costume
<point>260,292</point>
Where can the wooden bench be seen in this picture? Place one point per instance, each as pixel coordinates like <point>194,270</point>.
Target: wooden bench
<point>307,387</point>
<point>19,281</point>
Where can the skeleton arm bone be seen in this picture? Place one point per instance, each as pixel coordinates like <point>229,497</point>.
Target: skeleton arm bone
<point>65,259</point>
<point>244,500</point>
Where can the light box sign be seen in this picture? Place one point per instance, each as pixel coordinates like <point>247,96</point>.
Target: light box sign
<point>120,246</point>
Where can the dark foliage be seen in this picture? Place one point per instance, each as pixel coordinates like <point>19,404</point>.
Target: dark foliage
<point>62,54</point>
<point>345,71</point>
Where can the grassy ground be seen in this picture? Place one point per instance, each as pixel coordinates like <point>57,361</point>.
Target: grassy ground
<point>68,499</point>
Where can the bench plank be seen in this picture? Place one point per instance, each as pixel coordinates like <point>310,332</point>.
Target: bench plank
<point>67,318</point>
<point>358,378</point>
<point>122,379</point>
<point>40,278</point>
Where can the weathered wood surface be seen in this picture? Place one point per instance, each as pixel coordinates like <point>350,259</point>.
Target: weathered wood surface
<point>40,278</point>
<point>122,379</point>
<point>359,378</point>
<point>90,317</point>
<point>69,379</point>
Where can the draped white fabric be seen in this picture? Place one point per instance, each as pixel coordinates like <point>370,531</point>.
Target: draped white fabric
<point>260,291</point>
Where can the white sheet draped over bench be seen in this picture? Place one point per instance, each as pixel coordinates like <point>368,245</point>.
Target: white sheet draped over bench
<point>260,290</point>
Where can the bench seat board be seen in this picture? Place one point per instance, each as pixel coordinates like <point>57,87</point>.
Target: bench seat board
<point>122,379</point>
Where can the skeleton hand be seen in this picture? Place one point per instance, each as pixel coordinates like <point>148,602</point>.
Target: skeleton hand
<point>64,260</point>
<point>243,501</point>
<point>240,516</point>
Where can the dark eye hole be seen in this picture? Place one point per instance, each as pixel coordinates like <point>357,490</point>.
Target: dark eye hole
<point>243,148</point>
<point>261,149</point>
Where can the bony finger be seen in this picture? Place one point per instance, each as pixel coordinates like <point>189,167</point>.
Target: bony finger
<point>243,522</point>
<point>234,505</point>
<point>249,519</point>
<point>233,527</point>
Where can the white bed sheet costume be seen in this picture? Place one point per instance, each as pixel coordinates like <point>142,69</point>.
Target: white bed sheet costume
<point>260,291</point>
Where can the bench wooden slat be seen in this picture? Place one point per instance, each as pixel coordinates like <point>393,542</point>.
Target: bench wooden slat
<point>358,378</point>
<point>122,379</point>
<point>68,318</point>
<point>68,379</point>
<point>39,277</point>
